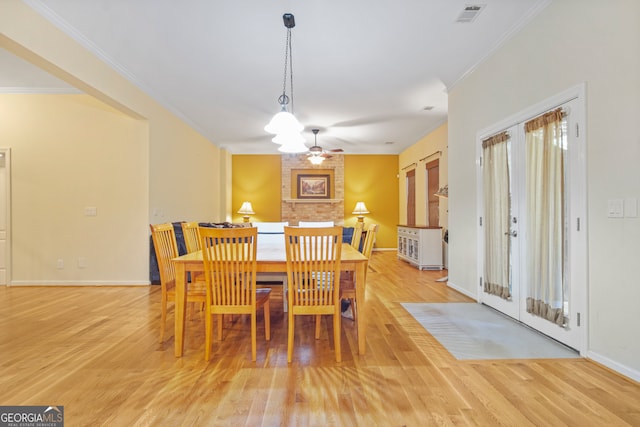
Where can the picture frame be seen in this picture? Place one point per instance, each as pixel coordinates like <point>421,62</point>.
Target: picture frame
<point>316,186</point>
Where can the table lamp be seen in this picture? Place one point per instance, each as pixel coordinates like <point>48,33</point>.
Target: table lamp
<point>360,210</point>
<point>246,209</point>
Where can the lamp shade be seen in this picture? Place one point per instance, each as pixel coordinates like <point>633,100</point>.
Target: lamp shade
<point>360,209</point>
<point>246,209</point>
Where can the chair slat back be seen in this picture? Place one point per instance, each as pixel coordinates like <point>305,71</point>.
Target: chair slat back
<point>164,242</point>
<point>229,256</point>
<point>313,265</point>
<point>369,240</point>
<point>357,235</point>
<point>191,233</point>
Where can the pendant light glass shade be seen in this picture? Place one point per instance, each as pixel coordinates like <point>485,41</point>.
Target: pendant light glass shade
<point>288,138</point>
<point>283,122</point>
<point>293,147</point>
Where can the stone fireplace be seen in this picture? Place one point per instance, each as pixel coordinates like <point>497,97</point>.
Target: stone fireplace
<point>295,209</point>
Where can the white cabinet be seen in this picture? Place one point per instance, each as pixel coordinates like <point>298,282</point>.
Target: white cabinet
<point>421,246</point>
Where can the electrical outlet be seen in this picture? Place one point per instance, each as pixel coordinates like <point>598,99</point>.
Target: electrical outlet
<point>60,264</point>
<point>82,262</point>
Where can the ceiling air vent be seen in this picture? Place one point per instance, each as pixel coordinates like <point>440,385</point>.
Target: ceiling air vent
<point>470,13</point>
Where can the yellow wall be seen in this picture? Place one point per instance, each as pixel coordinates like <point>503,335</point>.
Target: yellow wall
<point>256,179</point>
<point>431,143</point>
<point>371,179</point>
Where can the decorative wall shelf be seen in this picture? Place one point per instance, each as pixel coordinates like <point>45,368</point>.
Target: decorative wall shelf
<point>300,201</point>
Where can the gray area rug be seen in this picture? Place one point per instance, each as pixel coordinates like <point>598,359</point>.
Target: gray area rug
<point>475,331</point>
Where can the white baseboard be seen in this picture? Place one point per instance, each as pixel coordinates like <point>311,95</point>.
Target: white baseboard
<point>613,365</point>
<point>17,283</point>
<point>461,290</point>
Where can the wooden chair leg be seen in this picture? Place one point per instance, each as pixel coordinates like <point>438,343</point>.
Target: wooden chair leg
<point>163,318</point>
<point>318,321</point>
<point>290,337</point>
<point>208,336</point>
<point>267,321</point>
<point>336,334</point>
<point>220,318</point>
<point>253,336</point>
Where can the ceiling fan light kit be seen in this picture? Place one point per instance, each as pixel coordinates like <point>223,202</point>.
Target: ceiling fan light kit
<point>316,153</point>
<point>316,160</point>
<point>315,156</point>
<point>284,124</point>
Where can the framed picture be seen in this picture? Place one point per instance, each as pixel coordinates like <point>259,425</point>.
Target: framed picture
<point>314,186</point>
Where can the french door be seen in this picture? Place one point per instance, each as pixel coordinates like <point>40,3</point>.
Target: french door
<point>532,227</point>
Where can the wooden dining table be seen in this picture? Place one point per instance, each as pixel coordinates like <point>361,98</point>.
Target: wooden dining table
<point>271,258</point>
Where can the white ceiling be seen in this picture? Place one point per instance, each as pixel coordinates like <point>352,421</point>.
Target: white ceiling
<point>364,70</point>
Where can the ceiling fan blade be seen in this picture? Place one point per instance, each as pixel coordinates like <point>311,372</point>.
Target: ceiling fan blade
<point>336,150</point>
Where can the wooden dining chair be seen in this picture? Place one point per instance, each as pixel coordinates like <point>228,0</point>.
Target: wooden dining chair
<point>191,234</point>
<point>313,276</point>
<point>166,248</point>
<point>347,283</point>
<point>356,238</point>
<point>229,256</point>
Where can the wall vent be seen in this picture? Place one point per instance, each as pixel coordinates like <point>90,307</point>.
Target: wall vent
<point>470,13</point>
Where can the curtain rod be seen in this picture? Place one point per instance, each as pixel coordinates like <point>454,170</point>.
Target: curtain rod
<point>414,164</point>
<point>430,155</point>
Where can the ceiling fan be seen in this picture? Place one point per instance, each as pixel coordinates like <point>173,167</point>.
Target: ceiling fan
<point>317,152</point>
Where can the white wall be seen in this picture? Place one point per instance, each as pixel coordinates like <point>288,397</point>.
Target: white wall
<point>69,153</point>
<point>570,42</point>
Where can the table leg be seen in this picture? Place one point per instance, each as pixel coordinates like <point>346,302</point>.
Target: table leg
<point>179,311</point>
<point>360,304</point>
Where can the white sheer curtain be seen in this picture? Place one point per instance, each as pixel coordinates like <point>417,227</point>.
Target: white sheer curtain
<point>497,213</point>
<point>546,216</point>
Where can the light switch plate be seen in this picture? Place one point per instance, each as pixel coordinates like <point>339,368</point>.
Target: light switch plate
<point>615,208</point>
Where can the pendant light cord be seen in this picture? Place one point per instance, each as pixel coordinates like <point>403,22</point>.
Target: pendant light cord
<point>288,65</point>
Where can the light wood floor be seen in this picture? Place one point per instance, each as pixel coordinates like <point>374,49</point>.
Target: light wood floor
<point>95,351</point>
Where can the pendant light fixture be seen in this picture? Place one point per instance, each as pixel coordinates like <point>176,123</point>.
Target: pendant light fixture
<point>284,124</point>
